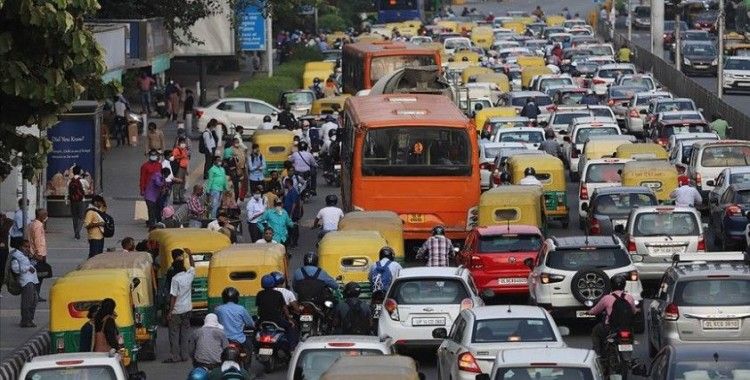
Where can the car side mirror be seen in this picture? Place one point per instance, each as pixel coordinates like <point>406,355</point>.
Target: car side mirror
<point>482,376</point>
<point>711,182</point>
<point>529,262</point>
<point>620,229</point>
<point>585,206</point>
<point>641,370</point>
<point>564,330</point>
<point>440,333</point>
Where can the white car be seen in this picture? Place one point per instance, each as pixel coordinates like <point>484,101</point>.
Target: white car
<point>709,158</point>
<point>607,74</point>
<point>542,82</point>
<point>598,173</point>
<point>679,155</point>
<point>422,300</point>
<point>578,133</point>
<point>637,80</point>
<point>638,109</point>
<point>537,363</point>
<point>78,365</point>
<point>727,177</point>
<point>450,45</point>
<point>314,355</point>
<point>487,153</point>
<point>418,40</point>
<point>479,333</point>
<point>736,74</point>
<point>600,50</point>
<point>531,137</point>
<point>677,137</point>
<point>246,112</point>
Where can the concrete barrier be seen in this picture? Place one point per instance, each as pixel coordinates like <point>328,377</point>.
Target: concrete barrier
<point>38,345</point>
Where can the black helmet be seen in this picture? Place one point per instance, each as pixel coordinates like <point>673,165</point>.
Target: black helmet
<point>332,200</point>
<point>386,253</point>
<point>352,290</point>
<point>310,259</point>
<point>230,354</point>
<point>505,178</point>
<point>316,80</point>
<point>529,171</point>
<point>303,145</point>
<point>230,294</point>
<point>550,134</point>
<point>438,230</point>
<point>266,119</point>
<point>618,282</point>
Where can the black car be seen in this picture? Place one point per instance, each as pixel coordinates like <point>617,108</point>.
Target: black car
<point>708,360</point>
<point>699,58</point>
<point>610,207</point>
<point>690,35</point>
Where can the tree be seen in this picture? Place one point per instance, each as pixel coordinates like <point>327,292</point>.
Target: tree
<point>48,59</point>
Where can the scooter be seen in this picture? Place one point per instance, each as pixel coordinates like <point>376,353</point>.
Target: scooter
<point>273,347</point>
<point>333,177</point>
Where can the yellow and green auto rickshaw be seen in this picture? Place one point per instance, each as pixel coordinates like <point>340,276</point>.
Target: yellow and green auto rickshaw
<point>513,204</point>
<point>348,255</point>
<point>275,146</point>
<point>242,266</point>
<point>550,171</point>
<point>388,223</point>
<point>329,105</point>
<point>317,69</point>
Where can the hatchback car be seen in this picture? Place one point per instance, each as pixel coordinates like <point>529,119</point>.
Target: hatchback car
<point>679,155</point>
<point>663,129</point>
<point>530,137</point>
<point>726,217</point>
<point>736,175</point>
<point>487,153</point>
<point>610,207</point>
<point>656,233</point>
<point>578,133</point>
<point>545,363</point>
<point>637,80</point>
<point>607,74</point>
<point>599,173</point>
<point>479,333</point>
<point>518,99</point>
<point>736,74</point>
<point>698,361</point>
<point>703,298</point>
<point>699,58</point>
<point>709,158</point>
<point>81,365</point>
<point>637,112</point>
<point>246,112</point>
<point>315,354</point>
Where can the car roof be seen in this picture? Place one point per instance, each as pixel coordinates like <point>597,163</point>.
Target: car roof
<point>705,351</point>
<point>507,311</point>
<point>653,94</point>
<point>560,356</point>
<point>520,129</point>
<point>738,169</point>
<point>683,112</point>
<point>99,356</point>
<point>490,144</point>
<point>507,229</point>
<point>520,94</point>
<point>622,190</point>
<point>417,272</point>
<point>584,241</point>
<point>613,66</point>
<point>702,144</point>
<point>737,58</point>
<point>644,209</point>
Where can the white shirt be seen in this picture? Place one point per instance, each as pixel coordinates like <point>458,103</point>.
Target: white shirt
<point>120,108</point>
<point>686,196</point>
<point>263,241</point>
<point>530,180</point>
<point>289,296</point>
<point>330,217</point>
<point>214,226</point>
<point>166,164</point>
<point>326,128</point>
<point>394,267</point>
<point>181,289</point>
<point>255,208</point>
<point>266,125</point>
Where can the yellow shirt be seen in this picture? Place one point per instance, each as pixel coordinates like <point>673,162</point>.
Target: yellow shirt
<point>96,233</point>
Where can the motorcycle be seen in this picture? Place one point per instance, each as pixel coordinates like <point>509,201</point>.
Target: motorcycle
<point>313,320</point>
<point>333,177</point>
<point>617,358</point>
<point>245,357</point>
<point>376,308</point>
<point>273,347</point>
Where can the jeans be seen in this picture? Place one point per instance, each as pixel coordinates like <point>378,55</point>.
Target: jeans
<point>179,334</point>
<point>146,101</point>
<point>4,252</point>
<point>154,213</point>
<point>121,134</point>
<point>215,203</point>
<point>29,299</point>
<point>95,247</point>
<point>255,232</point>
<point>76,213</point>
<point>209,160</point>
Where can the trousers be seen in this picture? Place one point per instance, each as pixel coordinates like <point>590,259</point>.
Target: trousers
<point>76,213</point>
<point>29,299</point>
<point>179,334</point>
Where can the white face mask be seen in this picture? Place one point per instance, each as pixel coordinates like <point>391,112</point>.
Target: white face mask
<point>183,145</point>
<point>256,196</point>
<point>153,158</point>
<point>171,158</point>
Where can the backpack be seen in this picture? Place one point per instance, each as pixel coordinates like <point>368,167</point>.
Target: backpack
<point>11,279</point>
<point>109,224</point>
<point>621,316</point>
<point>354,321</point>
<point>310,288</point>
<point>202,148</point>
<point>75,190</point>
<point>381,277</point>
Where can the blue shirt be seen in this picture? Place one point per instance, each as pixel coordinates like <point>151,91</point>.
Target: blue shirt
<point>256,166</point>
<point>17,229</point>
<point>310,270</point>
<point>234,318</point>
<point>290,199</point>
<point>20,264</point>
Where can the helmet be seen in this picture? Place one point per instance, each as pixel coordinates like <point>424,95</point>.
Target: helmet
<point>550,134</point>
<point>331,200</point>
<point>618,282</point>
<point>386,252</point>
<point>230,294</point>
<point>505,177</point>
<point>310,259</point>
<point>266,119</point>
<point>268,282</point>
<point>302,145</point>
<point>230,354</point>
<point>198,373</point>
<point>278,277</point>
<point>316,80</point>
<point>352,290</point>
<point>529,171</point>
<point>438,230</point>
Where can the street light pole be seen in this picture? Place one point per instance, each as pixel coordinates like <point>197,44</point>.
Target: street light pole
<point>677,50</point>
<point>630,21</point>
<point>720,63</point>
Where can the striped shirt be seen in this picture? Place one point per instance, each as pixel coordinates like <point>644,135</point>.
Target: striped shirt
<point>438,249</point>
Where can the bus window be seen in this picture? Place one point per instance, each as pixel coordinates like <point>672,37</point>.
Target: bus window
<point>382,66</point>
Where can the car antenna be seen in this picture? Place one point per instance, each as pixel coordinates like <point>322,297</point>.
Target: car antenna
<point>509,311</point>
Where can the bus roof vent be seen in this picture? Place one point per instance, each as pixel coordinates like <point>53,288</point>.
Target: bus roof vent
<point>411,112</point>
<point>402,99</point>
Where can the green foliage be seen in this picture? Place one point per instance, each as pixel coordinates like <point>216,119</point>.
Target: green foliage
<point>48,60</point>
<point>332,22</point>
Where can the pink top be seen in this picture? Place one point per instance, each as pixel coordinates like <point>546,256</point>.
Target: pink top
<point>37,238</point>
<point>607,301</point>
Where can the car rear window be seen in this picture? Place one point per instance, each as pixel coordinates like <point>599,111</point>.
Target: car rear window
<point>739,178</point>
<point>566,118</point>
<point>512,330</point>
<point>584,133</point>
<point>723,369</point>
<point>312,363</point>
<point>621,204</point>
<point>575,259</point>
<point>614,73</point>
<point>429,291</point>
<point>682,116</point>
<point>602,112</point>
<point>509,243</point>
<point>522,137</point>
<point>639,82</point>
<point>598,173</point>
<point>713,292</point>
<point>544,373</point>
<point>100,372</point>
<point>665,224</point>
<point>726,155</point>
<point>670,130</point>
<point>539,100</point>
<point>678,105</point>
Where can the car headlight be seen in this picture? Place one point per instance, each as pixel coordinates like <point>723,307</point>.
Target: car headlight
<point>715,62</point>
<point>686,61</point>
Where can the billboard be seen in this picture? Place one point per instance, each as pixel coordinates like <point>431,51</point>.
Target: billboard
<point>251,30</point>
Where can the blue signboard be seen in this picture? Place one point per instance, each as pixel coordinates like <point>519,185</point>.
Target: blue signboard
<point>252,29</point>
<point>73,142</point>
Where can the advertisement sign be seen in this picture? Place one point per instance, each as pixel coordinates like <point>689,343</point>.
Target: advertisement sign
<point>252,29</point>
<point>73,142</point>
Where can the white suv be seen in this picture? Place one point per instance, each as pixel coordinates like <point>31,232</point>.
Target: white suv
<point>709,158</point>
<point>424,300</point>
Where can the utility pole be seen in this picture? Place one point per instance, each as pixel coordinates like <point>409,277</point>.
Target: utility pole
<point>677,48</point>
<point>720,64</point>
<point>269,39</point>
<point>657,28</point>
<point>630,21</point>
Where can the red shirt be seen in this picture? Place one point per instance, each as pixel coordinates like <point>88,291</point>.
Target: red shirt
<point>147,170</point>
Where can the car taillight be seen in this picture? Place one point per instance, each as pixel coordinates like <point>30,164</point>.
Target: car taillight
<point>487,166</point>
<point>634,113</point>
<point>625,336</point>
<point>584,192</point>
<point>392,308</point>
<point>476,262</point>
<point>467,303</point>
<point>60,345</point>
<point>551,107</point>
<point>733,210</point>
<point>198,114</point>
<point>697,25</point>
<point>594,227</point>
<point>466,362</point>
<point>633,275</point>
<point>671,312</point>
<point>631,246</point>
<point>549,278</point>
<point>701,244</point>
<point>662,141</point>
<point>598,81</point>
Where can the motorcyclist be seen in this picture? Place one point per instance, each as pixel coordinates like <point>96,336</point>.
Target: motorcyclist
<point>590,98</point>
<point>386,260</point>
<point>272,307</point>
<point>549,145</point>
<point>602,329</point>
<point>310,281</point>
<point>530,110</point>
<point>437,248</point>
<point>328,217</point>
<point>530,178</point>
<point>286,118</point>
<point>234,318</point>
<point>267,123</point>
<point>317,88</point>
<point>352,315</point>
<point>230,367</point>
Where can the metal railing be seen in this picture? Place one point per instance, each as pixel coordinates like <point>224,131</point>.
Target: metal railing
<point>680,84</point>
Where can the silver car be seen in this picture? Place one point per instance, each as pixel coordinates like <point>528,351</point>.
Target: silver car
<point>655,233</point>
<point>703,298</point>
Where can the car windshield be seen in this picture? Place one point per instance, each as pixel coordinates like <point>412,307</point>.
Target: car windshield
<point>614,73</point>
<point>704,50</point>
<point>682,128</point>
<point>455,44</point>
<point>571,98</point>
<point>416,151</point>
<point>512,330</point>
<point>544,373</point>
<point>676,105</point>
<point>509,243</point>
<point>575,259</point>
<point>600,50</point>
<point>621,204</point>
<point>711,370</point>
<point>643,100</point>
<point>737,64</point>
<point>621,92</point>
<point>639,82</point>
<point>382,66</point>
<point>642,12</point>
<point>669,26</point>
<point>550,82</point>
<point>696,36</point>
<point>682,116</point>
<point>666,223</point>
<point>713,292</point>
<point>312,363</point>
<point>604,173</point>
<point>299,98</point>
<point>522,137</point>
<point>539,100</point>
<point>428,291</point>
<point>566,118</point>
<point>102,372</point>
<point>603,112</point>
<point>584,133</point>
<point>726,155</point>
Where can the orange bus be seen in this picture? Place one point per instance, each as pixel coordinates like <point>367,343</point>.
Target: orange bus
<point>363,63</point>
<point>416,155</point>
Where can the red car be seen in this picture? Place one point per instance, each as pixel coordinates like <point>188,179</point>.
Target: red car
<point>495,256</point>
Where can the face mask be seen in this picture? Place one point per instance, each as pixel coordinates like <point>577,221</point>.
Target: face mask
<point>183,146</point>
<point>256,196</point>
<point>333,138</point>
<point>171,158</point>
<point>153,158</point>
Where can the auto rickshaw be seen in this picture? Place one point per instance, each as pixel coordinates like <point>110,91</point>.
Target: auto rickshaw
<point>73,294</point>
<point>388,223</point>
<point>642,151</point>
<point>550,171</point>
<point>481,116</point>
<point>554,20</point>
<point>412,24</point>
<point>731,40</point>
<point>408,31</point>
<point>318,69</point>
<point>138,265</point>
<point>737,49</point>
<point>466,56</point>
<point>448,26</point>
<point>329,105</point>
<point>332,37</point>
<point>513,204</point>
<point>472,71</point>
<point>242,266</point>
<point>602,148</point>
<point>530,61</point>
<point>202,244</point>
<point>501,80</point>
<point>515,25</point>
<point>659,176</point>
<point>483,37</point>
<point>348,255</point>
<point>275,146</point>
<point>529,73</point>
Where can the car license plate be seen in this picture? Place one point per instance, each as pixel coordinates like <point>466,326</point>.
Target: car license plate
<point>666,250</point>
<point>428,321</point>
<point>721,324</point>
<point>376,312</point>
<point>624,347</point>
<point>583,314</point>
<point>513,281</point>
<point>306,318</point>
<point>265,351</point>
<point>415,218</point>
<point>701,66</point>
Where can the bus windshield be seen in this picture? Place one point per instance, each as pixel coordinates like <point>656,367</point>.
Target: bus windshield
<point>416,151</point>
<point>382,66</point>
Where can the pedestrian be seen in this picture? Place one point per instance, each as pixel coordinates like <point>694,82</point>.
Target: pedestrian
<point>278,219</point>
<point>128,244</point>
<point>326,128</point>
<point>167,162</point>
<point>267,237</point>
<point>438,248</point>
<point>94,224</point>
<point>196,208</point>
<point>106,332</point>
<point>238,172</point>
<point>148,169</point>
<point>549,145</point>
<point>168,218</point>
<point>76,194</point>
<point>155,138</point>
<point>88,330</point>
<point>293,206</point>
<point>121,121</point>
<point>208,342</point>
<point>181,156</point>
<point>254,208</point>
<point>215,185</point>
<point>155,189</point>
<point>38,244</point>
<point>207,145</point>
<point>145,83</point>
<point>238,133</point>
<point>5,225</point>
<point>22,266</point>
<point>188,104</point>
<point>256,167</point>
<point>180,308</point>
<point>305,165</point>
<point>19,225</point>
<point>173,92</point>
<point>719,125</point>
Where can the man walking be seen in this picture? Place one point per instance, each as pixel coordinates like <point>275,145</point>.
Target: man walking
<point>75,197</point>
<point>207,146</point>
<point>38,244</point>
<point>719,125</point>
<point>155,189</point>
<point>23,267</point>
<point>5,226</point>
<point>145,83</point>
<point>256,166</point>
<point>181,155</point>
<point>215,185</point>
<point>148,169</point>
<point>255,207</point>
<point>94,224</point>
<point>180,308</point>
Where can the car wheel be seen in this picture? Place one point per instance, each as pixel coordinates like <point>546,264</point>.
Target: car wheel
<point>589,284</point>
